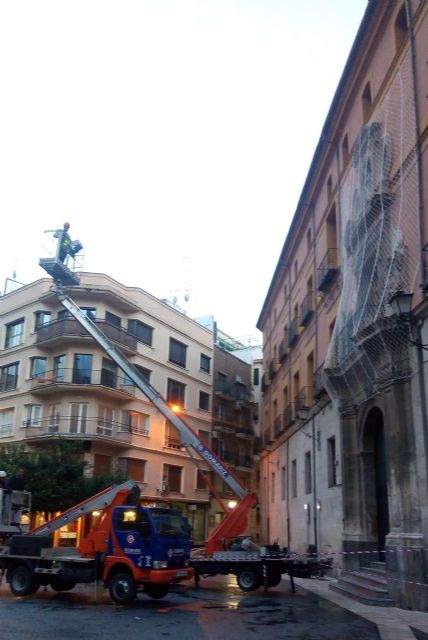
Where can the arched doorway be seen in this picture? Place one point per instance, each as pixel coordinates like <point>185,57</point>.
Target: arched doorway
<point>375,479</point>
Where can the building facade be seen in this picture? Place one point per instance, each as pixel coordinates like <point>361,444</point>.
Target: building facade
<point>344,418</point>
<point>56,382</point>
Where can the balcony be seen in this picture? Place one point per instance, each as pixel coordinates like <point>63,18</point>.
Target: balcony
<point>53,334</point>
<point>173,442</point>
<point>307,308</point>
<point>224,390</point>
<point>243,463</point>
<point>267,438</point>
<point>264,384</point>
<point>102,382</point>
<point>79,428</point>
<point>282,351</point>
<point>303,399</point>
<point>277,426</point>
<point>245,433</point>
<point>319,389</point>
<point>293,332</point>
<point>288,417</point>
<point>327,269</point>
<point>272,369</point>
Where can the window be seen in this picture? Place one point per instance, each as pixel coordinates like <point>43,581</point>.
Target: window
<point>146,373</point>
<point>200,480</point>
<point>42,317</point>
<point>90,312</point>
<point>78,413</point>
<point>221,411</point>
<point>54,418</point>
<point>272,487</point>
<point>366,102</point>
<point>111,318</point>
<point>400,28</point>
<point>221,382</point>
<point>136,422</point>
<point>177,352</point>
<point>133,468</point>
<point>38,368</point>
<point>309,240</point>
<point>204,401</point>
<point>256,376</point>
<point>106,421</point>
<point>283,483</point>
<point>9,377</point>
<point>109,374</point>
<point>34,415</point>
<point>82,368</point>
<point>133,520</point>
<point>345,149</point>
<point>331,461</point>
<point>204,437</point>
<point>6,422</point>
<point>141,331</point>
<point>329,187</point>
<point>59,368</point>
<point>63,314</point>
<point>102,464</point>
<point>176,392</point>
<point>14,333</point>
<point>172,436</point>
<point>294,479</point>
<point>308,473</point>
<point>205,363</point>
<point>172,478</point>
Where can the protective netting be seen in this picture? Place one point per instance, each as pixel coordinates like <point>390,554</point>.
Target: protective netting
<point>379,248</point>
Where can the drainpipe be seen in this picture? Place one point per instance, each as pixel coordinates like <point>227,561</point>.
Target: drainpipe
<point>409,18</point>
<point>315,485</point>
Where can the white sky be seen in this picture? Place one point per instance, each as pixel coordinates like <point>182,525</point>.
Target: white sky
<point>174,135</point>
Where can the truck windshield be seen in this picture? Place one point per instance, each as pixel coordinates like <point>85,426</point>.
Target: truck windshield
<point>168,524</point>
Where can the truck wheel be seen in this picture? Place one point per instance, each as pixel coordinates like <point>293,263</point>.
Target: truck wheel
<point>122,588</point>
<point>156,591</point>
<point>248,579</point>
<point>22,581</point>
<point>274,579</point>
<point>62,585</point>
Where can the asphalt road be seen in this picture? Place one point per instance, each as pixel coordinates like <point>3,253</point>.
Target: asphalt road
<point>216,610</point>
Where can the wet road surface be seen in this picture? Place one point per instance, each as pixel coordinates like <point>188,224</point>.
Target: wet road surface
<point>217,610</point>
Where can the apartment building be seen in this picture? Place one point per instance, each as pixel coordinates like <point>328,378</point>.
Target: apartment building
<point>344,409</point>
<point>56,382</point>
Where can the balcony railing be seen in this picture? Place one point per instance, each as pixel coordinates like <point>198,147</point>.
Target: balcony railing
<point>267,437</point>
<point>173,442</point>
<point>56,380</point>
<point>307,308</point>
<point>80,427</point>
<point>264,383</point>
<point>272,368</point>
<point>277,426</point>
<point>288,417</point>
<point>293,331</point>
<point>282,351</point>
<point>319,389</point>
<point>69,327</point>
<point>303,399</point>
<point>244,461</point>
<point>327,269</point>
<point>244,432</point>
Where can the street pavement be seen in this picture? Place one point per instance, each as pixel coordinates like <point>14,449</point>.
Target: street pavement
<point>216,610</point>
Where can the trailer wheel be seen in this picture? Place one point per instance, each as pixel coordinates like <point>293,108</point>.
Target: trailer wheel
<point>274,579</point>
<point>248,579</point>
<point>156,591</point>
<point>62,585</point>
<point>122,588</point>
<point>22,581</point>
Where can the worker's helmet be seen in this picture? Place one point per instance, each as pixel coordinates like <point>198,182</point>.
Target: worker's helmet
<point>66,225</point>
<point>3,474</point>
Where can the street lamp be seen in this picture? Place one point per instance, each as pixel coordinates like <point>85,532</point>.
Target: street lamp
<point>401,304</point>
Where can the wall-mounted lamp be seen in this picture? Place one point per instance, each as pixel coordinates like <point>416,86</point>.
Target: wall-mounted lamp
<point>318,505</point>
<point>401,303</point>
<point>232,504</point>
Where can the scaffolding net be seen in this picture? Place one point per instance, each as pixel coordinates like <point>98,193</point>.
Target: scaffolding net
<point>379,248</point>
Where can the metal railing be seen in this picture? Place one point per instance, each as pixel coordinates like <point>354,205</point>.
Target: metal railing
<point>288,416</point>
<point>282,350</point>
<point>79,427</point>
<point>277,425</point>
<point>71,327</point>
<point>75,376</point>
<point>293,331</point>
<point>327,269</point>
<point>307,308</point>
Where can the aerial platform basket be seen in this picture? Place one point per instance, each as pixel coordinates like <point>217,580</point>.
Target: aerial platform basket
<point>59,271</point>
